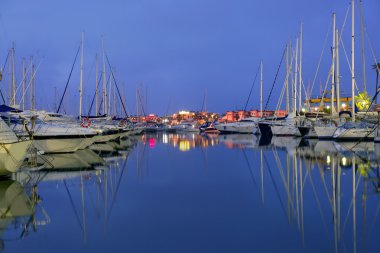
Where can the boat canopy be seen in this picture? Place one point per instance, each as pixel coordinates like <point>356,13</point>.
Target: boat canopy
<point>6,108</point>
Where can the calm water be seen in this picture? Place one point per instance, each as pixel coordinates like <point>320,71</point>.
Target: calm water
<point>177,193</point>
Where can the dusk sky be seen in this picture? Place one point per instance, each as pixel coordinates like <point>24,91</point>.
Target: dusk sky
<point>178,49</point>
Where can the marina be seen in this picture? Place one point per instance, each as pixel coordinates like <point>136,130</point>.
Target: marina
<point>189,126</point>
<point>311,195</point>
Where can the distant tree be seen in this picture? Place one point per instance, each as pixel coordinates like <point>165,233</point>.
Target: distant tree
<point>362,101</point>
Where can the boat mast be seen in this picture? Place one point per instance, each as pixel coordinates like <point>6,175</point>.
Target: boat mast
<point>114,100</point>
<point>123,94</point>
<point>337,70</point>
<point>353,58</point>
<point>104,81</point>
<point>32,84</point>
<point>96,85</point>
<point>81,80</point>
<point>55,98</point>
<point>137,103</point>
<point>205,109</point>
<point>110,97</point>
<point>300,73</point>
<point>23,83</point>
<point>362,44</point>
<point>13,77</point>
<point>295,81</point>
<point>287,79</point>
<point>9,94</point>
<point>333,67</point>
<point>261,89</point>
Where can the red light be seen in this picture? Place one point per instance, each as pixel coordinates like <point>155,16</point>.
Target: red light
<point>152,143</point>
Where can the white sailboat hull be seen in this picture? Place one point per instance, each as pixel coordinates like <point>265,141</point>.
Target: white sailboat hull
<point>64,145</point>
<point>285,130</point>
<point>354,134</point>
<point>238,128</point>
<point>81,159</point>
<point>12,156</point>
<point>325,132</point>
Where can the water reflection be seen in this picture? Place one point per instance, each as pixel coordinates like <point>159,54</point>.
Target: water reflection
<point>184,141</point>
<point>334,185</point>
<point>313,196</point>
<point>17,212</point>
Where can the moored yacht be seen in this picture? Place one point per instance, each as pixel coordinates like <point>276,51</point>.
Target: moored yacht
<point>186,127</point>
<point>245,126</point>
<point>12,151</point>
<point>355,131</point>
<point>55,138</point>
<point>289,127</point>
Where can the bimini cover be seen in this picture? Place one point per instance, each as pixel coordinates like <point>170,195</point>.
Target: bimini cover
<point>5,108</point>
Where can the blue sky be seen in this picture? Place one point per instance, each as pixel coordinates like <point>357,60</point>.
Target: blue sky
<point>178,49</point>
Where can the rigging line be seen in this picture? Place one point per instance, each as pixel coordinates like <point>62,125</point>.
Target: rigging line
<point>318,203</point>
<point>68,80</point>
<point>250,169</point>
<point>101,98</point>
<point>373,223</point>
<point>281,171</point>
<point>370,45</point>
<point>322,176</point>
<point>275,78</point>
<point>141,103</point>
<point>31,79</point>
<point>306,95</point>
<point>72,204</point>
<point>6,60</point>
<point>93,98</point>
<point>324,90</point>
<point>362,45</point>
<point>253,84</point>
<point>325,43</point>
<point>1,70</point>
<point>274,184</point>
<point>89,74</point>
<point>279,102</point>
<point>320,59</point>
<point>117,187</point>
<point>203,102</point>
<point>348,63</point>
<point>351,204</point>
<point>368,38</point>
<point>289,75</point>
<point>117,87</point>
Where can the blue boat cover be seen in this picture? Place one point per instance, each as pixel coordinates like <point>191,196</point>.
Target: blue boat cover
<point>5,108</point>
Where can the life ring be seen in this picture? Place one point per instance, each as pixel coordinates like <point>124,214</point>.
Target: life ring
<point>86,122</point>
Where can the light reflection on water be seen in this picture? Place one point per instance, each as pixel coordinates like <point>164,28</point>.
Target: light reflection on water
<point>193,193</point>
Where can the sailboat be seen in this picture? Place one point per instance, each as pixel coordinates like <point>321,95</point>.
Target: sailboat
<point>243,126</point>
<point>355,130</point>
<point>12,151</point>
<point>249,125</point>
<point>288,128</point>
